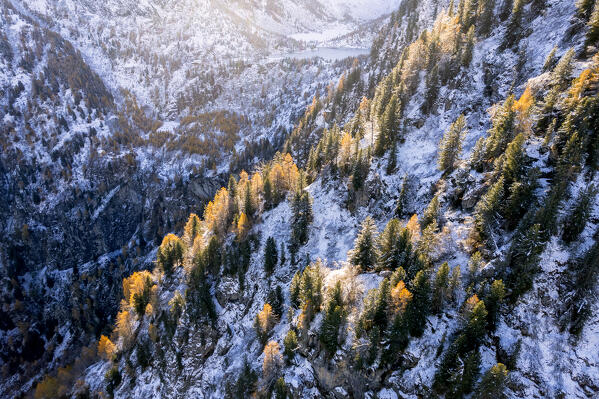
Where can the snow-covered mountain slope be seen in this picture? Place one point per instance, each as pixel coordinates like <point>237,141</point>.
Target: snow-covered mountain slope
<point>115,123</point>
<point>319,282</point>
<point>543,360</point>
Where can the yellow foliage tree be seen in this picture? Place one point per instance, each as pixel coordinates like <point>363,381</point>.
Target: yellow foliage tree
<point>216,213</point>
<point>124,328</point>
<point>523,109</point>
<point>413,227</point>
<point>243,226</point>
<point>106,349</point>
<point>345,152</point>
<point>265,319</point>
<point>400,297</point>
<point>170,253</point>
<point>193,227</point>
<point>470,304</point>
<point>257,187</point>
<point>273,361</point>
<point>134,284</point>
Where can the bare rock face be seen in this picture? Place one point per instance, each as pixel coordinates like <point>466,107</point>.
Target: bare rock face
<point>228,291</point>
<point>472,196</point>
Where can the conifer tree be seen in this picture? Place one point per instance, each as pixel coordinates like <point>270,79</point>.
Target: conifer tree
<point>389,126</point>
<point>550,60</point>
<point>485,19</point>
<point>492,383</point>
<point>270,255</point>
<point>419,307</point>
<point>469,14</point>
<point>197,296</point>
<point>431,213</point>
<point>268,193</point>
<point>360,171</point>
<point>561,75</point>
<point>364,253</point>
<point>248,203</point>
<point>514,160</point>
<point>477,322</point>
<point>280,389</point>
<point>301,206</point>
<point>520,197</point>
<point>525,252</point>
<point>487,209</point>
<point>398,339</point>
<point>451,144</point>
<point>455,282</point>
<point>400,208</point>
<point>502,131</point>
<point>576,221</point>
<point>381,305</point>
<point>592,38</point>
<point>493,301</point>
<point>276,300</point>
<point>585,8</point>
<point>478,155</point>
<point>392,163</point>
<point>428,243</point>
<point>388,246</point>
<point>213,256</point>
<point>468,50</point>
<point>432,90</point>
<point>514,27</point>
<point>295,289</point>
<point>291,345</point>
<point>170,254</point>
<point>192,229</point>
<point>332,320</point>
<point>440,288</point>
<point>475,265</point>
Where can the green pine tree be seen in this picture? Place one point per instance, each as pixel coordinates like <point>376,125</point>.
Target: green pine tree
<point>290,344</point>
<point>440,288</point>
<point>301,206</point>
<point>334,314</point>
<point>502,131</point>
<point>550,60</point>
<point>450,146</point>
<point>419,307</point>
<point>400,208</point>
<point>514,160</point>
<point>364,254</point>
<point>577,219</point>
<point>492,383</point>
<point>485,19</point>
<point>514,26</point>
<point>388,248</point>
<point>487,210</point>
<point>431,213</point>
<point>593,32</point>
<point>468,50</point>
<point>270,255</point>
<point>389,125</point>
<point>562,73</point>
<point>493,301</point>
